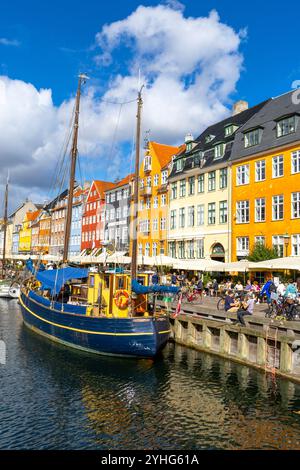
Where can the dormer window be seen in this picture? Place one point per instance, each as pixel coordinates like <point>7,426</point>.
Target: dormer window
<point>189,146</point>
<point>253,137</point>
<point>179,164</point>
<point>219,150</point>
<point>209,138</point>
<point>230,129</point>
<point>286,126</point>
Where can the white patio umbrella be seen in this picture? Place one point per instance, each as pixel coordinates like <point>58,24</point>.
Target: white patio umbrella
<point>277,264</point>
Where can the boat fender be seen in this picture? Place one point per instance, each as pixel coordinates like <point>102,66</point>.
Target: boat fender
<point>121,299</point>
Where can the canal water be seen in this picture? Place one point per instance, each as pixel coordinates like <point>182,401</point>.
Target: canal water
<point>55,398</point>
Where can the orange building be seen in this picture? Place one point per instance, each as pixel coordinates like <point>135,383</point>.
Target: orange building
<point>153,199</point>
<point>44,232</point>
<point>266,180</point>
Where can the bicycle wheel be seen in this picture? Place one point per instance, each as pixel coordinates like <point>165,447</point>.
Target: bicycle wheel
<point>195,299</point>
<point>221,304</point>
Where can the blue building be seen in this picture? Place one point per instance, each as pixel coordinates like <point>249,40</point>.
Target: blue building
<point>75,237</point>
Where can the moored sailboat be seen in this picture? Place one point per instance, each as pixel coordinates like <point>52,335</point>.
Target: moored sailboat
<point>107,312</point>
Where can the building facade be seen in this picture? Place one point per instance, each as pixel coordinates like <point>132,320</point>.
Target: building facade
<point>79,199</point>
<point>117,214</point>
<point>25,233</point>
<point>153,199</point>
<point>266,180</point>
<point>92,230</point>
<point>200,192</point>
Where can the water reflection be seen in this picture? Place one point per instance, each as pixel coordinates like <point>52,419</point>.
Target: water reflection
<point>56,398</point>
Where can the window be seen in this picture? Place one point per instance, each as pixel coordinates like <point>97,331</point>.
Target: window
<point>223,178</point>
<point>181,250</point>
<point>148,203</point>
<point>125,211</point>
<point>174,190</point>
<point>147,249</point>
<point>277,166</point>
<point>201,183</point>
<point>173,220</point>
<point>164,177</point>
<point>155,202</point>
<point>147,163</point>
<point>242,212</point>
<point>140,249</point>
<point>182,187</point>
<point>253,137</point>
<point>119,195</point>
<point>156,180</point>
<point>141,204</point>
<point>211,181</point>
<point>112,199</point>
<point>260,209</point>
<point>295,209</point>
<point>200,248</point>
<point>277,207</point>
<point>181,217</point>
<point>141,183</point>
<point>191,216</point>
<point>228,130</point>
<point>295,163</point>
<point>155,225</point>
<point>190,249</point>
<point>211,213</point>
<point>242,175</point>
<point>286,126</point>
<point>260,240</point>
<point>154,249</point>
<point>200,214</point>
<point>296,245</point>
<point>148,181</point>
<point>260,170</point>
<point>163,223</point>
<point>191,185</point>
<point>163,200</point>
<point>172,249</point>
<point>223,212</point>
<point>179,164</point>
<point>118,213</point>
<point>219,151</point>
<point>278,243</point>
<point>242,246</point>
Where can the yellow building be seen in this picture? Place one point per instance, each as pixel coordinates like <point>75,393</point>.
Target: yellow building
<point>200,193</point>
<point>266,180</point>
<point>25,233</point>
<point>153,199</point>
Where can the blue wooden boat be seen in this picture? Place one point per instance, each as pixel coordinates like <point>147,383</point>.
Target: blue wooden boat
<point>116,317</point>
<point>104,325</point>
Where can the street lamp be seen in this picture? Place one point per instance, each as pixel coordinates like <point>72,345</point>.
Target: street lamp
<point>286,239</point>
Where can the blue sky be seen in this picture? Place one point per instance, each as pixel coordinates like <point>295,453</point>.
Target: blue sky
<point>55,37</point>
<point>43,45</point>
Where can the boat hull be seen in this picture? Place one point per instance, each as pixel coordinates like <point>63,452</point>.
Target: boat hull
<point>137,337</point>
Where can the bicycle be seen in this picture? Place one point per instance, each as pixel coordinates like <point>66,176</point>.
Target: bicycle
<point>192,296</point>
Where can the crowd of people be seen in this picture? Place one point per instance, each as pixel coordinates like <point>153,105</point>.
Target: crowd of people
<point>239,298</point>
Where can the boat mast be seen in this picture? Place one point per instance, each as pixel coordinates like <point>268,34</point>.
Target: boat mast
<point>136,187</point>
<point>4,226</point>
<point>81,79</point>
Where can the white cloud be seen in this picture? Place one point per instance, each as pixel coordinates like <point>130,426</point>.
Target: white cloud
<point>9,42</point>
<point>190,67</point>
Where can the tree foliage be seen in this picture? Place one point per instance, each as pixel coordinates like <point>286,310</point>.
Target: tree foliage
<point>261,252</point>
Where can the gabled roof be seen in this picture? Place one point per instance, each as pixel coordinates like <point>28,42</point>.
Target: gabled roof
<point>122,182</point>
<point>203,153</point>
<point>276,108</point>
<point>101,186</point>
<point>163,152</point>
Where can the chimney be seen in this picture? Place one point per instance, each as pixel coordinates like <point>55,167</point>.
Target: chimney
<point>239,106</point>
<point>188,138</point>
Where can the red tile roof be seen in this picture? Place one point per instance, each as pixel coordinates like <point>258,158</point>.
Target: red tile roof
<point>163,152</point>
<point>122,182</point>
<point>103,186</point>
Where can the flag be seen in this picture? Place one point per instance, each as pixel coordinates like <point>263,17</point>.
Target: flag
<point>178,307</point>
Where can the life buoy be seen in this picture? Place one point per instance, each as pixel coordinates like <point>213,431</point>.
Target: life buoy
<point>121,299</point>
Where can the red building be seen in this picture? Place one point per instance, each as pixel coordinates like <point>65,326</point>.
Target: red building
<point>93,217</point>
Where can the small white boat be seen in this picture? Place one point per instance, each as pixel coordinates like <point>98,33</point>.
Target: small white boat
<point>9,291</point>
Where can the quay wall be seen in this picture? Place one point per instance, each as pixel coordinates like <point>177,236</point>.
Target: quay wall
<point>274,349</point>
